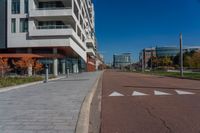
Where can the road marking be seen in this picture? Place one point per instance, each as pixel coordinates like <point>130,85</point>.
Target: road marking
<point>184,92</point>
<point>160,93</point>
<point>136,93</point>
<point>116,94</point>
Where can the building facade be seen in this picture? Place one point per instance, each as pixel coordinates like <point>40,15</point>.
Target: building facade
<point>167,51</point>
<point>190,49</point>
<point>100,62</point>
<point>60,33</point>
<point>121,60</point>
<point>145,56</point>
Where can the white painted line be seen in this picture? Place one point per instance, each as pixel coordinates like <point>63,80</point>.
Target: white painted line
<point>184,92</point>
<point>136,93</point>
<point>116,94</point>
<point>160,93</point>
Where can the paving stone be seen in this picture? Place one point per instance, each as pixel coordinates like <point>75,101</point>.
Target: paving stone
<point>45,108</point>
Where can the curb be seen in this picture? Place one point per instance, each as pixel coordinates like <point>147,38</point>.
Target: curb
<point>82,125</point>
<point>26,85</point>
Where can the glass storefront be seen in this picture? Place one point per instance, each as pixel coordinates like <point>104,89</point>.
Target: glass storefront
<point>73,64</point>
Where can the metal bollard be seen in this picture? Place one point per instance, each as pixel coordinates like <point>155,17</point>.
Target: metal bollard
<point>67,72</point>
<point>46,74</point>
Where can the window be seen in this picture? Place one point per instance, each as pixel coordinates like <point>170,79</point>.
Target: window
<point>15,6</point>
<point>13,25</point>
<point>23,25</point>
<point>25,6</point>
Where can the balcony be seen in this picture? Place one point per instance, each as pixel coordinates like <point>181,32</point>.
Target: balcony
<point>90,42</point>
<point>48,8</point>
<point>51,12</point>
<point>51,30</point>
<point>91,52</point>
<point>53,27</point>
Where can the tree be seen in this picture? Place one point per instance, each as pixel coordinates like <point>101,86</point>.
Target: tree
<point>24,64</point>
<point>37,67</point>
<point>196,60</point>
<point>27,64</point>
<point>153,61</point>
<point>165,61</point>
<point>187,61</point>
<point>4,66</point>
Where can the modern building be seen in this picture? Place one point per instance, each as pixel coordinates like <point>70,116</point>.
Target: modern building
<point>99,62</point>
<point>121,60</point>
<point>60,33</point>
<point>194,48</point>
<point>145,56</point>
<point>167,51</point>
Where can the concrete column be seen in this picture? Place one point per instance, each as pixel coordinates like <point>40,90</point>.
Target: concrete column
<point>72,5</point>
<point>55,67</point>
<point>55,63</point>
<point>75,67</point>
<point>22,6</point>
<point>63,68</point>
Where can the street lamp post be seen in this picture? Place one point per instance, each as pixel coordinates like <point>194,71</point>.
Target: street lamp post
<point>143,61</point>
<point>151,58</point>
<point>181,55</point>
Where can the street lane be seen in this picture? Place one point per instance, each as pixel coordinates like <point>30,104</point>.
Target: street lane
<point>137,103</point>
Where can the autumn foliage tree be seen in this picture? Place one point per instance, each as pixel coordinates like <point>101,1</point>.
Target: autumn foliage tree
<point>4,66</point>
<point>166,61</point>
<point>23,64</point>
<point>153,62</point>
<point>37,67</point>
<point>26,62</point>
<point>195,60</point>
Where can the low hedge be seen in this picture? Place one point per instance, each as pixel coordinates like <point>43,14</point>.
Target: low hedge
<point>12,81</point>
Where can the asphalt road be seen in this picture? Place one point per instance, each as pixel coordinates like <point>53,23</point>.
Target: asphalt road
<point>137,103</point>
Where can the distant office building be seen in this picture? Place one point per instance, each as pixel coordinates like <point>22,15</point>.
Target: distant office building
<point>121,60</point>
<point>189,49</point>
<point>145,56</point>
<point>167,51</point>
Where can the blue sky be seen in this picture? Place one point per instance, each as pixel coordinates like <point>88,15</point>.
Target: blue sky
<point>130,25</point>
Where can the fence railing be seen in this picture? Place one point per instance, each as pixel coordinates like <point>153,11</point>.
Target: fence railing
<point>54,27</point>
<point>53,8</point>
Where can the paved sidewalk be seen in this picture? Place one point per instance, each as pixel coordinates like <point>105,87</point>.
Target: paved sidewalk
<point>45,108</point>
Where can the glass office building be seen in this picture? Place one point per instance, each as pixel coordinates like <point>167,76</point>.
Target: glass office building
<point>121,60</point>
<point>167,51</point>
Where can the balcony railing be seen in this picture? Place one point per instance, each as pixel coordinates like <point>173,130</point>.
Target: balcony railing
<point>54,27</point>
<point>53,8</point>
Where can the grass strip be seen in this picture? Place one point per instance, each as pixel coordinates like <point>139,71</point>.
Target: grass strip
<point>187,75</point>
<point>12,81</point>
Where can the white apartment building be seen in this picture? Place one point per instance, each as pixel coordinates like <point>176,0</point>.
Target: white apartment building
<point>61,33</point>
